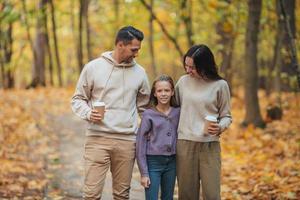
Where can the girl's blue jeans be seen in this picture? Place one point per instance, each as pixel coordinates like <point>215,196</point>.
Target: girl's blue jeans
<point>162,172</point>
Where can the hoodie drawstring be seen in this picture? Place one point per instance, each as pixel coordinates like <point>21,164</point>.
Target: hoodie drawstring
<point>108,57</point>
<point>107,82</point>
<point>123,84</point>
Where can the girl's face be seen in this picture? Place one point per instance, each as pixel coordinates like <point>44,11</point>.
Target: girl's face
<point>190,67</point>
<point>163,92</point>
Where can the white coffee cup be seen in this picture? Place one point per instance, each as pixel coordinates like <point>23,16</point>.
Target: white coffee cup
<point>209,119</point>
<point>100,107</point>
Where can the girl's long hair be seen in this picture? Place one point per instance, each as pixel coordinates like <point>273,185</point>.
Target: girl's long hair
<point>153,99</point>
<point>204,62</point>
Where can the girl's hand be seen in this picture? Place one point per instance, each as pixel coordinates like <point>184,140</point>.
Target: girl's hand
<point>214,128</point>
<point>145,181</point>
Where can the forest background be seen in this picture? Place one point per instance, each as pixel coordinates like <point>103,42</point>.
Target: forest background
<point>44,45</point>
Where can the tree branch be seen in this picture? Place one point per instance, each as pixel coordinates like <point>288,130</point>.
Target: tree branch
<point>163,28</point>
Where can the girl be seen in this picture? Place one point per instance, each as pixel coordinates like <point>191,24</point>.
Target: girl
<point>200,93</point>
<point>156,141</point>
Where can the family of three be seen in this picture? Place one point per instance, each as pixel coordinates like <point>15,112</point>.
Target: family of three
<point>170,141</point>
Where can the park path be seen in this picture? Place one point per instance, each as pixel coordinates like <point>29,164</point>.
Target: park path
<point>69,171</point>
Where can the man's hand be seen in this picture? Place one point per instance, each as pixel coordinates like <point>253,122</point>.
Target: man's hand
<point>214,128</point>
<point>95,116</point>
<point>145,181</point>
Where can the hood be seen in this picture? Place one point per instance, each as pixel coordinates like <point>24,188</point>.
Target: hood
<point>108,57</point>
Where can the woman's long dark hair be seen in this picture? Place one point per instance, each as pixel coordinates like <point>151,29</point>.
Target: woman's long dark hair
<point>153,99</point>
<point>204,62</point>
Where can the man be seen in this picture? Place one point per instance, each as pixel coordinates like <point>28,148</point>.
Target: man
<point>117,80</point>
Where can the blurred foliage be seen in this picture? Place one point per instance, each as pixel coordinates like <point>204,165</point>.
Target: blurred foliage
<point>104,24</point>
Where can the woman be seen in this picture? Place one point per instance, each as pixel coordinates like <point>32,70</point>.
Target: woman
<point>201,92</point>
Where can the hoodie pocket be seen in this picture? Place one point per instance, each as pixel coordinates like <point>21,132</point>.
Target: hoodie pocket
<point>119,119</point>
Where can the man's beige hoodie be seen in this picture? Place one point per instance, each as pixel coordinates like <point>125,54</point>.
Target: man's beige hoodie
<point>124,88</point>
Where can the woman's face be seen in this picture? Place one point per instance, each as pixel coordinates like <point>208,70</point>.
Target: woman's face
<point>190,67</point>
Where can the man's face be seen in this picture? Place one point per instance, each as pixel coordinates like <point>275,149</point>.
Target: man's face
<point>129,51</point>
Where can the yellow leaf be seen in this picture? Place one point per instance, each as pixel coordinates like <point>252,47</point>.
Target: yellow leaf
<point>15,188</point>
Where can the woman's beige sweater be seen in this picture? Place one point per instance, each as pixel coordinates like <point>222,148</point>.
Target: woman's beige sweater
<point>199,98</point>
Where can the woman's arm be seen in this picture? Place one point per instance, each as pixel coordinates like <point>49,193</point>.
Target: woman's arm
<point>225,117</point>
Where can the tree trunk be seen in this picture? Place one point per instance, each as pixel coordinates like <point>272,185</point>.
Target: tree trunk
<point>49,51</point>
<point>282,62</point>
<point>87,29</point>
<point>79,45</point>
<point>226,40</point>
<point>38,70</point>
<point>6,50</point>
<point>277,60</point>
<point>151,42</point>
<point>29,38</point>
<point>2,74</point>
<point>117,14</point>
<point>186,16</point>
<point>73,29</point>
<point>253,115</point>
<point>58,64</point>
<point>2,50</point>
<point>288,14</point>
<point>2,67</point>
<point>289,9</point>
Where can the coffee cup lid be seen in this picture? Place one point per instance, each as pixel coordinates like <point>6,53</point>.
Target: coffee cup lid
<point>99,103</point>
<point>211,118</point>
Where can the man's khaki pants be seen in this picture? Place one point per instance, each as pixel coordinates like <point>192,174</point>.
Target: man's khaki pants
<point>101,154</point>
<point>198,161</point>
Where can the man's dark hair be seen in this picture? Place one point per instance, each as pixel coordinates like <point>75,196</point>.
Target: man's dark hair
<point>128,33</point>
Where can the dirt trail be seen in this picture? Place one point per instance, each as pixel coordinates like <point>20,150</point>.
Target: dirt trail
<point>69,173</point>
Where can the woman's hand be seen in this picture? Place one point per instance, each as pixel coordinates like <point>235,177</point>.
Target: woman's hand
<point>214,128</point>
<point>145,181</point>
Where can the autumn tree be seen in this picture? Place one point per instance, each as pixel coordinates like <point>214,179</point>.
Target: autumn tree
<point>55,41</point>
<point>6,45</point>
<point>253,115</point>
<point>288,14</point>
<point>186,17</point>
<point>87,29</point>
<point>38,69</point>
<point>225,30</point>
<point>79,43</point>
<point>163,28</point>
<point>151,40</point>
<point>117,14</point>
<point>7,74</point>
<point>83,25</point>
<point>48,48</point>
<point>27,27</point>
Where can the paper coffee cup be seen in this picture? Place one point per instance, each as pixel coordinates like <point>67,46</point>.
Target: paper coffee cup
<point>100,107</point>
<point>208,119</point>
